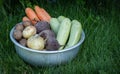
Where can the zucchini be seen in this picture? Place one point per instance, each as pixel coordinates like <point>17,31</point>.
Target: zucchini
<point>63,32</point>
<point>75,33</point>
<point>54,23</point>
<point>61,18</point>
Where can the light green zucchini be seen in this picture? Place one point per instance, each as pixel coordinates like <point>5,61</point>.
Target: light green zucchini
<point>61,18</point>
<point>63,32</point>
<point>75,33</point>
<point>54,23</point>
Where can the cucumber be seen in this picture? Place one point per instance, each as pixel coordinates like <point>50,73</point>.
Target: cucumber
<point>75,33</point>
<point>63,32</point>
<point>54,23</point>
<point>61,18</point>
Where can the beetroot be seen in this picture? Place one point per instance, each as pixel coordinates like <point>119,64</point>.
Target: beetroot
<point>23,42</point>
<point>52,44</point>
<point>42,25</point>
<point>47,33</point>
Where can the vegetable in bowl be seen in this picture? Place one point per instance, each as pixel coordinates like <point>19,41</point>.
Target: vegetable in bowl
<point>41,47</point>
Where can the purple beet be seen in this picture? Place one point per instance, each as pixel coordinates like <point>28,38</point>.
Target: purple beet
<point>47,34</point>
<point>42,25</point>
<point>52,44</point>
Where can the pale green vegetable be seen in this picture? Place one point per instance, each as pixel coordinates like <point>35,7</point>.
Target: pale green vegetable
<point>61,18</point>
<point>63,32</point>
<point>54,23</point>
<point>75,33</point>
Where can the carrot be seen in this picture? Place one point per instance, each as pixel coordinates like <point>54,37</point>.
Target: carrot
<point>25,18</point>
<point>31,15</point>
<point>45,13</point>
<point>41,14</point>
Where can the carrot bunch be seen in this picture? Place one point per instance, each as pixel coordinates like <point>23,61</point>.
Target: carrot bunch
<point>37,15</point>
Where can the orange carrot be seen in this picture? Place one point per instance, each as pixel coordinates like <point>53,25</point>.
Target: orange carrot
<point>31,15</point>
<point>25,18</point>
<point>45,13</point>
<point>41,14</point>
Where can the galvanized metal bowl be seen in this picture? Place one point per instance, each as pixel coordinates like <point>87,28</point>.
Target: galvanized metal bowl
<point>46,58</point>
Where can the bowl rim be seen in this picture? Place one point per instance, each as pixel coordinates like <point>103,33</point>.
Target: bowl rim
<point>38,51</point>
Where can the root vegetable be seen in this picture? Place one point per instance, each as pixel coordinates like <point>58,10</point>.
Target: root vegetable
<point>26,23</point>
<point>29,31</point>
<point>23,42</point>
<point>52,44</point>
<point>42,14</point>
<point>31,15</point>
<point>36,42</point>
<point>19,26</point>
<point>17,34</point>
<point>42,25</point>
<point>25,18</point>
<point>47,33</point>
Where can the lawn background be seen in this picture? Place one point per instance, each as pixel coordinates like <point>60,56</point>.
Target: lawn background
<point>100,53</point>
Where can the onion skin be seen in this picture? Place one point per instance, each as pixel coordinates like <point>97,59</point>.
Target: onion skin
<point>29,31</point>
<point>36,42</point>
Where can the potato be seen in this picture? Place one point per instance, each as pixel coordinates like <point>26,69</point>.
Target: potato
<point>36,42</point>
<point>23,42</point>
<point>26,23</point>
<point>19,27</point>
<point>17,34</point>
<point>29,31</point>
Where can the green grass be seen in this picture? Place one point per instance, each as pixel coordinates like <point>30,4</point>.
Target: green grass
<point>100,53</point>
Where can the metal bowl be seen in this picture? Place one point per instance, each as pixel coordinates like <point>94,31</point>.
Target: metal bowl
<point>46,58</point>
